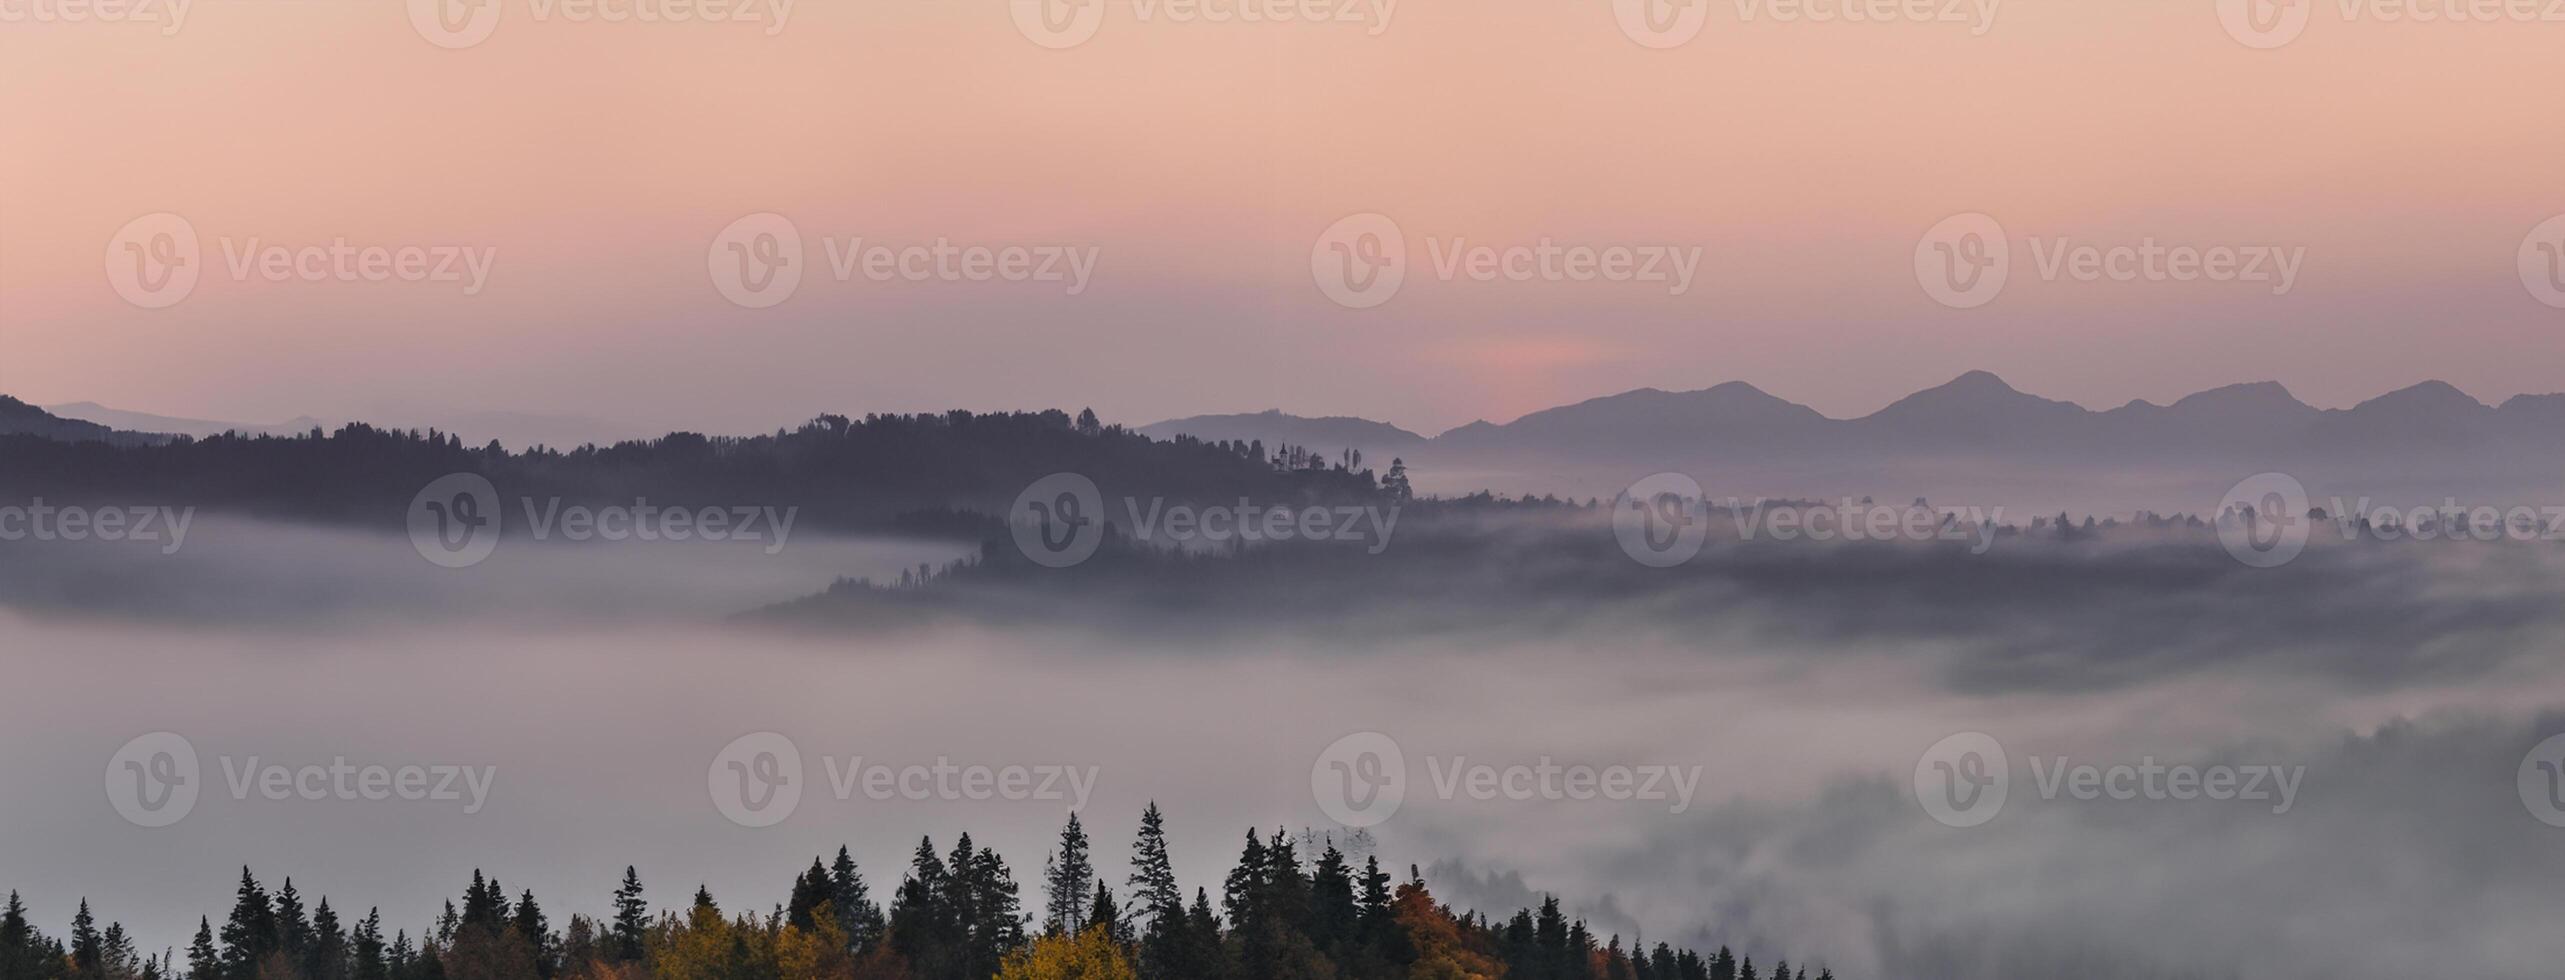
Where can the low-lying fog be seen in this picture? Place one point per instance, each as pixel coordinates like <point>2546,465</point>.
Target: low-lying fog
<point>599,684</point>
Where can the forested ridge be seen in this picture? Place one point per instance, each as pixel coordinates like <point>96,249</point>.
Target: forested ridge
<point>954,915</point>
<point>947,475</point>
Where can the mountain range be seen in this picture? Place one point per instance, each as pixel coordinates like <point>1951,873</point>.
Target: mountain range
<point>1975,413</point>
<point>1975,435</point>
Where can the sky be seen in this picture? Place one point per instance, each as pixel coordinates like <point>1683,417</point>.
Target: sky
<point>1163,205</point>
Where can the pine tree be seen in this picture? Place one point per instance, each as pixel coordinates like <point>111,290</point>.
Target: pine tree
<point>632,918</point>
<point>87,952</point>
<point>1102,914</point>
<point>530,925</point>
<point>203,963</point>
<point>856,913</point>
<point>293,932</point>
<point>1153,875</point>
<point>922,923</point>
<point>325,953</point>
<point>250,934</point>
<point>485,904</point>
<point>996,915</point>
<point>367,948</point>
<point>1335,920</point>
<point>1067,882</point>
<point>1204,957</point>
<point>810,891</point>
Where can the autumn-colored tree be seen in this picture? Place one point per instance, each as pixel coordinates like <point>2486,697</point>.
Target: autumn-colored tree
<point>1091,954</point>
<point>1441,951</point>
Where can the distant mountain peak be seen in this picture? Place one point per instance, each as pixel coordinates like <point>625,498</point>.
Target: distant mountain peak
<point>2439,396</point>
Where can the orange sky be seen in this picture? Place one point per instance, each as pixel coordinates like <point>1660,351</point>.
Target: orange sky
<point>595,162</point>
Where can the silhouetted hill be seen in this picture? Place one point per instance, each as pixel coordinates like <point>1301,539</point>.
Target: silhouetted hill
<point>1649,419</point>
<point>118,418</point>
<point>942,475</point>
<point>18,418</point>
<point>1274,428</point>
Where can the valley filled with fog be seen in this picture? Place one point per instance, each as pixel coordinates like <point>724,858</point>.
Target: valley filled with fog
<point>2391,692</point>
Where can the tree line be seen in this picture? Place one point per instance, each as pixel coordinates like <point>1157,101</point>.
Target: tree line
<point>948,474</point>
<point>955,915</point>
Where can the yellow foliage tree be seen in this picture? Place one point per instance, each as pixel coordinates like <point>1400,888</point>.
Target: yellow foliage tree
<point>1442,952</point>
<point>1089,955</point>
